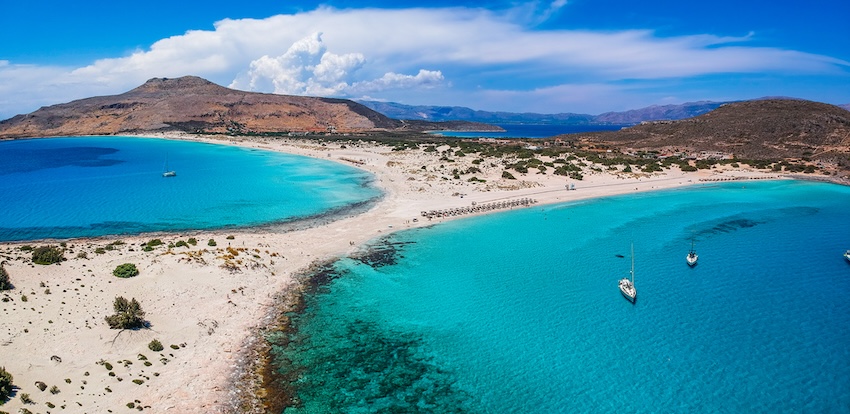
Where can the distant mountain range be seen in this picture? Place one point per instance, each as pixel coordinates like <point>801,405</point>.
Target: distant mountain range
<point>460,113</point>
<point>630,117</point>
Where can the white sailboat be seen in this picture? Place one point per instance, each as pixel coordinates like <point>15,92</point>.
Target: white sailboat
<point>168,172</point>
<point>627,286</point>
<point>847,255</point>
<point>692,256</point>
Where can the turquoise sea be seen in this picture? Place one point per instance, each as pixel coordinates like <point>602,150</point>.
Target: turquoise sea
<point>519,312</point>
<point>94,186</point>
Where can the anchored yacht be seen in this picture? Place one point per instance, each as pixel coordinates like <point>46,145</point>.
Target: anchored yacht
<point>627,286</point>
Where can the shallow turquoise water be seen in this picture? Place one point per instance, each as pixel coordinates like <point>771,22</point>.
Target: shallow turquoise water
<point>520,312</point>
<point>94,186</point>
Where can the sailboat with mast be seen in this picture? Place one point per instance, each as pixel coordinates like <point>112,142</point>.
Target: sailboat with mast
<point>627,285</point>
<point>692,256</point>
<point>168,172</point>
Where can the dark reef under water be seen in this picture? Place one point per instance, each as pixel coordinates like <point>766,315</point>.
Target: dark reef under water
<point>355,364</point>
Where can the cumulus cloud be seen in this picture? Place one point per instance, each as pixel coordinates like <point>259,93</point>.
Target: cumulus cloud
<point>385,53</point>
<point>308,68</point>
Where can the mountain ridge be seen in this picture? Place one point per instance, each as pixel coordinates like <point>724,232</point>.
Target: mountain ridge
<point>629,117</point>
<point>669,112</point>
<point>195,105</point>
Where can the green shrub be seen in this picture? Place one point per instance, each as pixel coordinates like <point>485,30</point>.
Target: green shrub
<point>155,345</point>
<point>25,398</point>
<point>54,390</point>
<point>24,298</point>
<point>125,270</point>
<point>128,314</point>
<point>507,175</point>
<point>193,241</point>
<point>138,381</point>
<point>230,237</point>
<point>181,243</point>
<point>5,283</point>
<point>154,243</point>
<point>175,346</point>
<point>47,255</point>
<point>108,366</point>
<point>40,385</point>
<point>100,250</point>
<point>212,243</point>
<point>5,384</point>
<point>82,255</point>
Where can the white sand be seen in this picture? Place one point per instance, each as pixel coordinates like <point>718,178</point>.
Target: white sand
<point>210,312</point>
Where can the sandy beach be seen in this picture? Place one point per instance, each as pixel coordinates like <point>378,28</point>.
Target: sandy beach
<point>205,303</point>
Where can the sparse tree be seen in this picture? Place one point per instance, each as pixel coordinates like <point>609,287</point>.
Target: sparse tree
<point>5,283</point>
<point>128,314</point>
<point>5,384</point>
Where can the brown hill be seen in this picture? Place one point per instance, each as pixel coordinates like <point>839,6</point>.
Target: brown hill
<point>192,104</point>
<point>764,129</point>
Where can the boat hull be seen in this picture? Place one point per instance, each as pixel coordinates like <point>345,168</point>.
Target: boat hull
<point>692,260</point>
<point>628,290</point>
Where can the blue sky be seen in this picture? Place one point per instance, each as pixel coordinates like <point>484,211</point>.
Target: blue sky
<point>584,56</point>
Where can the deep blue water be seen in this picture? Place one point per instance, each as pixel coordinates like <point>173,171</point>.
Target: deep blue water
<point>94,186</point>
<point>532,131</point>
<point>519,312</point>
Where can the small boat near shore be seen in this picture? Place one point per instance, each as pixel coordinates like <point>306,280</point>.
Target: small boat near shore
<point>168,172</point>
<point>627,285</point>
<point>847,255</point>
<point>692,256</point>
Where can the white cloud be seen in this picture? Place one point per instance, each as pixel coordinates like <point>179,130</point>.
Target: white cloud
<point>387,52</point>
<point>308,68</point>
<point>423,79</point>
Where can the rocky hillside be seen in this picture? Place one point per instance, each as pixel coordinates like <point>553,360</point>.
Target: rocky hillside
<point>192,104</point>
<point>763,129</point>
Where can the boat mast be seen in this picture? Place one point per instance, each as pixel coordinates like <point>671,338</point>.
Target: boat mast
<point>633,264</point>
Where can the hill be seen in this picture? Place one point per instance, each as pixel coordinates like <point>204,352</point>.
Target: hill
<point>761,129</point>
<point>192,104</point>
<point>658,113</point>
<point>445,113</point>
